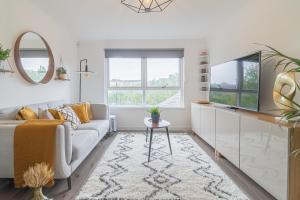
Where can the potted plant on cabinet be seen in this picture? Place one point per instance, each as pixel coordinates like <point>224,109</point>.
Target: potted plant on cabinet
<point>155,114</point>
<point>61,73</point>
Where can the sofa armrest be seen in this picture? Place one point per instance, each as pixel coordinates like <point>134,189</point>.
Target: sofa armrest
<point>63,151</point>
<point>68,141</point>
<point>6,152</point>
<point>100,111</point>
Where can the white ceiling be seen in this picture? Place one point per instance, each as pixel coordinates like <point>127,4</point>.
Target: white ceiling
<point>109,19</point>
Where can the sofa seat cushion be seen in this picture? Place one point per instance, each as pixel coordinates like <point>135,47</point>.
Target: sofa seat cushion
<point>82,142</point>
<point>101,126</point>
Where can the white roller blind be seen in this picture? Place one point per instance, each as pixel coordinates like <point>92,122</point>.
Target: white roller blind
<point>144,53</point>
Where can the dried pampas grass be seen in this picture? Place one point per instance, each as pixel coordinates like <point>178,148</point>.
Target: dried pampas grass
<point>38,175</point>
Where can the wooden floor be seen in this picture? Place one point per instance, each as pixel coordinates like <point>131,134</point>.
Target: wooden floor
<point>60,190</point>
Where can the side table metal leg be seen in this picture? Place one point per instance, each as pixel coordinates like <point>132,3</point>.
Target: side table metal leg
<point>147,135</point>
<point>151,134</point>
<point>169,139</point>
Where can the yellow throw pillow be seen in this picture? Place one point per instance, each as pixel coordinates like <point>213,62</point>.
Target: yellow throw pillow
<point>81,111</point>
<point>19,117</point>
<point>26,114</point>
<point>56,114</point>
<point>89,110</point>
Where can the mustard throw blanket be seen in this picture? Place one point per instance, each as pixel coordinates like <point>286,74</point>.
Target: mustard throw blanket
<point>34,142</point>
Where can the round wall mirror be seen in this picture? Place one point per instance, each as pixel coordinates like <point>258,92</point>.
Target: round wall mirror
<point>34,58</point>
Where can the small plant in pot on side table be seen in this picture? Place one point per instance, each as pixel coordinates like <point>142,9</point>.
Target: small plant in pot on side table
<point>61,73</point>
<point>155,114</point>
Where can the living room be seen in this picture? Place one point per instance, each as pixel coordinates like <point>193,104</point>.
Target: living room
<point>118,61</point>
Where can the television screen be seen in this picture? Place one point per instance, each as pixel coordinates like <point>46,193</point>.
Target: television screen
<point>236,83</point>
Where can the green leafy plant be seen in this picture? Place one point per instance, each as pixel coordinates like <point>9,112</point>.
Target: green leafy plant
<point>287,64</point>
<point>61,70</point>
<point>4,53</point>
<point>282,60</point>
<point>154,111</point>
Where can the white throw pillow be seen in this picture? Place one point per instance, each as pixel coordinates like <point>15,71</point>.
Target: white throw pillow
<point>70,115</point>
<point>45,114</point>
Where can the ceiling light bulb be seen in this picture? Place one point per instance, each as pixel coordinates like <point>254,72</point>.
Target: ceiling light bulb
<point>147,3</point>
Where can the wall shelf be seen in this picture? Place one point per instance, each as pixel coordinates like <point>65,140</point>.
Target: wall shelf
<point>204,71</point>
<point>6,71</point>
<point>60,79</point>
<point>204,56</point>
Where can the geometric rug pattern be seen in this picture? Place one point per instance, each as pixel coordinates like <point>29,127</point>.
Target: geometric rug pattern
<point>124,173</point>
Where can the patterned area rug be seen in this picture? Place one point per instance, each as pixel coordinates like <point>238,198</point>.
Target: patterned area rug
<point>124,173</point>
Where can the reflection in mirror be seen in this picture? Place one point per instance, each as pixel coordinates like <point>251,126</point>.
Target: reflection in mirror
<point>34,56</point>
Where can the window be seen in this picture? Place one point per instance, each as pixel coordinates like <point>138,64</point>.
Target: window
<point>144,77</point>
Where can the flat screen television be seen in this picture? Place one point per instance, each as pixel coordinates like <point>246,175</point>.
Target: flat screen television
<point>235,84</point>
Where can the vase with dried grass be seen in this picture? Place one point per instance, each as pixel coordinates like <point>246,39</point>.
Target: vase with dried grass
<point>36,177</point>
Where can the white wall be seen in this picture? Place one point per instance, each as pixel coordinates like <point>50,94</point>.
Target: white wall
<point>272,22</point>
<point>17,17</point>
<point>132,118</point>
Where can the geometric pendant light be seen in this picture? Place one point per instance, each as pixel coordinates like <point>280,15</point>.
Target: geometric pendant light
<point>147,6</point>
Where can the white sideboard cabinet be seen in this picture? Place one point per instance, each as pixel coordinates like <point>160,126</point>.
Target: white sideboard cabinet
<point>258,144</point>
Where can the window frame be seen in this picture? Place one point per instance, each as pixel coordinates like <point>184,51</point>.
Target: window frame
<point>144,87</point>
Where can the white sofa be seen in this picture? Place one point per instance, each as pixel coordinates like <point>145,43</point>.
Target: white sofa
<point>72,146</point>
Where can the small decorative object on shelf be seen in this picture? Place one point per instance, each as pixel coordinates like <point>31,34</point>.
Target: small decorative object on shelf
<point>204,53</point>
<point>204,58</point>
<point>4,55</point>
<point>61,72</point>
<point>155,114</point>
<point>203,79</point>
<point>36,178</point>
<point>204,89</point>
<point>203,71</point>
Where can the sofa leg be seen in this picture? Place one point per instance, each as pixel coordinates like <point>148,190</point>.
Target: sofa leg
<point>69,183</point>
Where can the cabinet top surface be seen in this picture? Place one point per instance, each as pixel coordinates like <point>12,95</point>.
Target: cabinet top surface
<point>256,115</point>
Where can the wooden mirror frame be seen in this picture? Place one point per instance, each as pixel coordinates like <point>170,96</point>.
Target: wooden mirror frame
<point>18,62</point>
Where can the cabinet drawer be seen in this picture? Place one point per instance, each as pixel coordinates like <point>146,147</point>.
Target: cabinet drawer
<point>227,135</point>
<point>264,155</point>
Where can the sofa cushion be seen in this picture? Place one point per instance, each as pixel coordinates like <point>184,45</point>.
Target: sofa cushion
<point>82,142</point>
<point>9,113</point>
<point>27,113</point>
<point>36,107</point>
<point>56,104</point>
<point>45,114</point>
<point>101,126</point>
<point>81,111</point>
<point>68,115</point>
